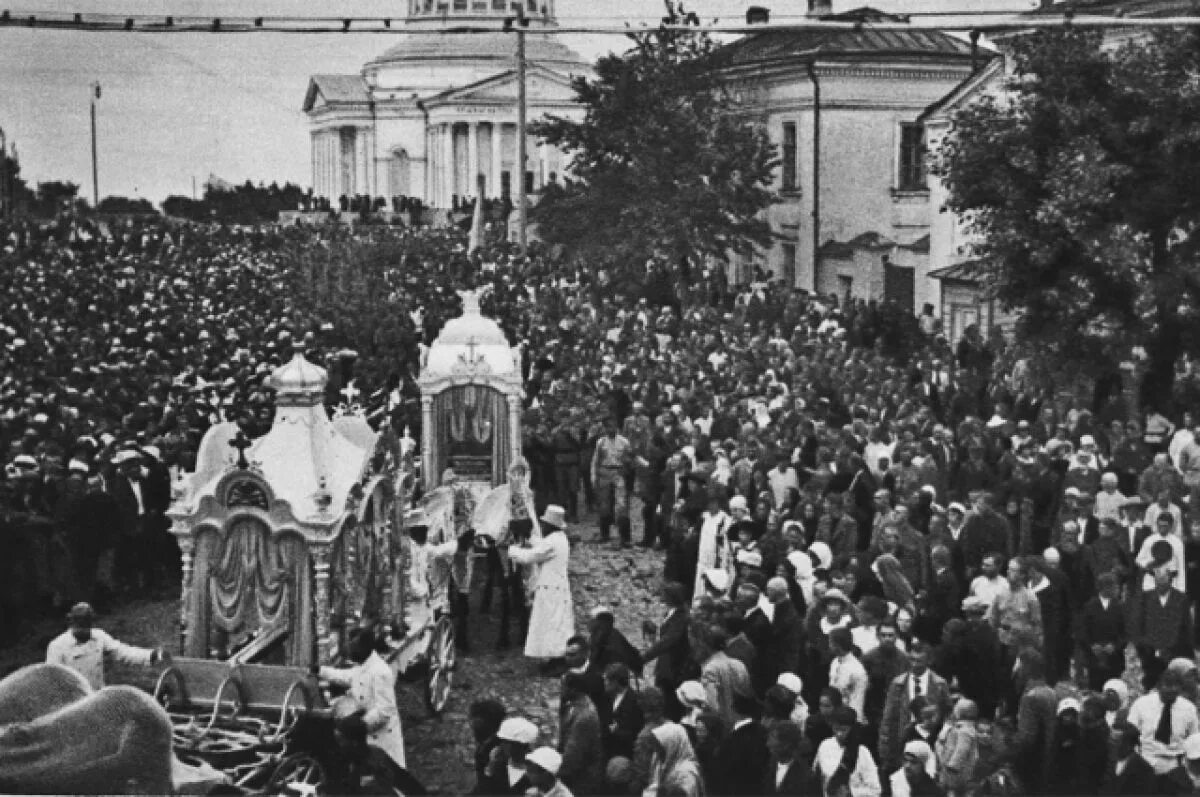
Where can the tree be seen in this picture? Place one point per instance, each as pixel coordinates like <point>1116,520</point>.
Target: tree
<point>123,205</point>
<point>661,164</point>
<point>1080,183</point>
<point>55,196</point>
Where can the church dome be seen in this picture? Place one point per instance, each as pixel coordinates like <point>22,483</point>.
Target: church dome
<point>494,46</point>
<point>299,381</point>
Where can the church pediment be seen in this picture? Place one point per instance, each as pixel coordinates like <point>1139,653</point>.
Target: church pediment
<point>541,86</point>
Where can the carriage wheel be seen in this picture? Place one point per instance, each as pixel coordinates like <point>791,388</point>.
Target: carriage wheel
<point>299,774</point>
<point>442,659</point>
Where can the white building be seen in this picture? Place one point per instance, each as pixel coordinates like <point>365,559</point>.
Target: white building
<point>854,214</point>
<point>438,110</point>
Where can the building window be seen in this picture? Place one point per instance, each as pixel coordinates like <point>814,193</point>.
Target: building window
<point>789,157</point>
<point>912,158</point>
<point>529,183</point>
<point>789,265</point>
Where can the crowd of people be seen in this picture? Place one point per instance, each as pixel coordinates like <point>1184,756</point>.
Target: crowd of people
<point>894,562</point>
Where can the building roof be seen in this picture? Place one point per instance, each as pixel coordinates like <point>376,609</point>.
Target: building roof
<point>966,271</point>
<point>336,90</point>
<point>1126,8</point>
<point>964,92</point>
<point>862,42</point>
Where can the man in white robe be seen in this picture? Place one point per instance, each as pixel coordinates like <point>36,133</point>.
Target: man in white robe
<point>552,618</point>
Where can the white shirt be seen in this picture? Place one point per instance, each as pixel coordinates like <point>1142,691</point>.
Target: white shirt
<point>1144,715</point>
<point>514,774</point>
<point>848,676</point>
<point>913,680</point>
<point>864,780</point>
<point>1144,558</point>
<point>136,486</point>
<point>781,771</point>
<point>87,658</point>
<point>989,588</point>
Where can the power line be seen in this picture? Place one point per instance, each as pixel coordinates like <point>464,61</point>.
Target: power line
<point>980,21</point>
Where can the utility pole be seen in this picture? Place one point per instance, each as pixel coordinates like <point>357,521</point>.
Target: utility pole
<point>4,198</point>
<point>95,171</point>
<point>522,199</point>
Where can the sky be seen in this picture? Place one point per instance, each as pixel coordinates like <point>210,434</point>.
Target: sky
<point>176,108</point>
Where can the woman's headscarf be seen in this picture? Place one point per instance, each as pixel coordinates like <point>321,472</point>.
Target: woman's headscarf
<point>895,586</point>
<point>1120,689</point>
<point>678,766</point>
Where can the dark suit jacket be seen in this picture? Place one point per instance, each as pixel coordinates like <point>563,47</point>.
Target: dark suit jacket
<point>1162,627</point>
<point>1098,626</point>
<point>1137,780</point>
<point>671,650</point>
<point>896,716</point>
<point>127,504</point>
<point>787,638</point>
<point>612,647</point>
<point>758,630</point>
<point>742,649</point>
<point>943,601</point>
<point>741,760</point>
<point>800,781</point>
<point>628,721</point>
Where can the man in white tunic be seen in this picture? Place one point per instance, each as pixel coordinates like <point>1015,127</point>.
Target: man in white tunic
<point>372,685</point>
<point>552,619</point>
<point>85,649</point>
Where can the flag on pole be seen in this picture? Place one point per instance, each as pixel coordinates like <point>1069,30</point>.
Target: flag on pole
<point>96,86</point>
<point>476,239</point>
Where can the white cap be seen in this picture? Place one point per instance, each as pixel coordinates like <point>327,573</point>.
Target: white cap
<point>124,455</point>
<point>546,758</point>
<point>152,451</point>
<point>692,693</point>
<point>517,729</point>
<point>955,506</point>
<point>77,466</point>
<point>738,502</point>
<point>1087,440</point>
<point>25,461</point>
<point>1074,492</point>
<point>600,611</point>
<point>1191,747</point>
<point>1069,704</point>
<point>791,682</point>
<point>919,750</point>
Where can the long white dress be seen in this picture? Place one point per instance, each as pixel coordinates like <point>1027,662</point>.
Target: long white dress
<point>710,554</point>
<point>552,619</point>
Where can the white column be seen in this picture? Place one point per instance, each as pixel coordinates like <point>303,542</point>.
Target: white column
<point>428,476</point>
<point>497,159</point>
<point>449,166</point>
<point>472,187</point>
<point>543,165</point>
<point>430,168</point>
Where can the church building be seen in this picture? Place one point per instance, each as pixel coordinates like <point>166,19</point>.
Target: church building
<point>438,109</point>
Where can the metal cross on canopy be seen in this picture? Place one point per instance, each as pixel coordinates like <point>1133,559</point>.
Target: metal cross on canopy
<point>241,443</point>
<point>472,345</point>
<point>350,392</point>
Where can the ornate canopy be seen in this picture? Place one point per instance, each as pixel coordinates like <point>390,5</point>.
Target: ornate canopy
<point>471,391</point>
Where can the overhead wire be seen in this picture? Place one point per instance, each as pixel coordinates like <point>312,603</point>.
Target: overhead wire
<point>984,21</point>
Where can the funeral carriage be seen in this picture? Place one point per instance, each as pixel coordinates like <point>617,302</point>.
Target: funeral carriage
<point>292,540</point>
<point>288,543</point>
